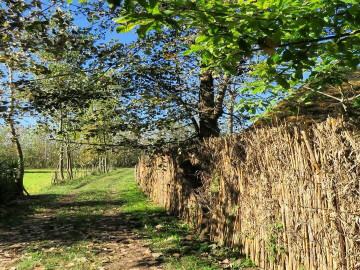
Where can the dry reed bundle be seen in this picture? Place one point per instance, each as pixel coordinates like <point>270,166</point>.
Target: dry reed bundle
<point>288,195</point>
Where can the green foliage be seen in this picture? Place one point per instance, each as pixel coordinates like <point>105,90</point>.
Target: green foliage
<point>8,174</point>
<point>215,184</point>
<point>286,42</point>
<point>272,242</point>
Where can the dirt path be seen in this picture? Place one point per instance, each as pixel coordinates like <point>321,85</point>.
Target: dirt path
<point>106,237</point>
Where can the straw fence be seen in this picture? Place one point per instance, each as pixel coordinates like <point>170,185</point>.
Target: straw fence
<point>289,196</point>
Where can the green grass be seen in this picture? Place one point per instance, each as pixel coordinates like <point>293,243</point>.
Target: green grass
<point>172,238</point>
<point>81,207</point>
<point>91,200</point>
<point>36,180</point>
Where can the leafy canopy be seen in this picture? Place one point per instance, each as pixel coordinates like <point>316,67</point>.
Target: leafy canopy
<point>284,38</point>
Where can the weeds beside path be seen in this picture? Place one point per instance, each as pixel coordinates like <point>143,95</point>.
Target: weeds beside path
<point>99,222</point>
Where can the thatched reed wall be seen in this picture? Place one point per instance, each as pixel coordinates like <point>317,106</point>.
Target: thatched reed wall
<point>289,196</point>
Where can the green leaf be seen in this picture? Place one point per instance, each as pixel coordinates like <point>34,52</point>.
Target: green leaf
<point>155,10</point>
<point>298,74</point>
<point>143,3</point>
<point>357,103</point>
<point>187,52</point>
<point>206,57</point>
<point>276,37</point>
<point>228,68</point>
<point>279,226</point>
<point>287,56</point>
<point>153,3</point>
<point>69,1</point>
<point>283,82</point>
<point>244,46</point>
<point>201,38</point>
<point>143,29</point>
<point>195,48</point>
<point>258,89</point>
<point>351,1</point>
<point>125,28</point>
<point>123,19</point>
<point>168,12</point>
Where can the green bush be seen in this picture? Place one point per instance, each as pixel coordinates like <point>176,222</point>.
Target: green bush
<point>8,172</point>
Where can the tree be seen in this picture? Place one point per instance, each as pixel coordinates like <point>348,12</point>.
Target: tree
<point>9,118</point>
<point>28,28</point>
<point>60,95</point>
<point>171,90</point>
<point>287,43</point>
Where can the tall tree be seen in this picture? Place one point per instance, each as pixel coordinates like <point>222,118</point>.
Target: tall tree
<point>171,89</point>
<point>9,118</point>
<point>287,42</point>
<point>28,28</point>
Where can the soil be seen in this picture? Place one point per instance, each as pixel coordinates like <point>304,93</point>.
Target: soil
<point>112,237</point>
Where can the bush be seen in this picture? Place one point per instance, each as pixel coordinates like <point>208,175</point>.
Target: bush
<point>8,172</point>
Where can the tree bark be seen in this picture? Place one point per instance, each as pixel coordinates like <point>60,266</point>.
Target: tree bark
<point>231,111</point>
<point>69,167</point>
<point>45,155</point>
<point>210,109</point>
<point>106,163</point>
<point>21,169</point>
<point>61,151</point>
<point>208,125</point>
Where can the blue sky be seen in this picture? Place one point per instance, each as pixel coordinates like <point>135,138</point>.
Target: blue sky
<point>111,34</point>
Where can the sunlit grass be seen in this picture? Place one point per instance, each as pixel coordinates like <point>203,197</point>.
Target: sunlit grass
<point>36,180</point>
<point>81,203</point>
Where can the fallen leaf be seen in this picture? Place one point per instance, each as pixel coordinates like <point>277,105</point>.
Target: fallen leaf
<point>82,259</point>
<point>39,267</point>
<point>156,255</point>
<point>70,264</point>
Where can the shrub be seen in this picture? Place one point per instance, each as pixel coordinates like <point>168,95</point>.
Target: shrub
<point>8,172</point>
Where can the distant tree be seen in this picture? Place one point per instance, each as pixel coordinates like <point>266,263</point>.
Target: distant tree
<point>28,28</point>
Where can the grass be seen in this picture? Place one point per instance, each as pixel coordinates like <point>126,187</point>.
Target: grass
<point>81,213</point>
<point>172,238</point>
<point>36,180</point>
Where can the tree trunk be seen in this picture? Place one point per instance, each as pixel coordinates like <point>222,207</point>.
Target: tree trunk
<point>15,139</point>
<point>231,112</point>
<point>69,167</point>
<point>45,155</point>
<point>20,174</point>
<point>208,124</point>
<point>210,108</point>
<point>61,151</point>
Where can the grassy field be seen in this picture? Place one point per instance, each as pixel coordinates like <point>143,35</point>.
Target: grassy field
<point>37,179</point>
<point>68,226</point>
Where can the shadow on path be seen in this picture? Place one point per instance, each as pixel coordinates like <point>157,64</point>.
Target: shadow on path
<point>48,223</point>
<point>90,229</point>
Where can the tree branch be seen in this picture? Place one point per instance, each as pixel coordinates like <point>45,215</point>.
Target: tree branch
<point>307,41</point>
<point>323,93</point>
<point>219,100</point>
